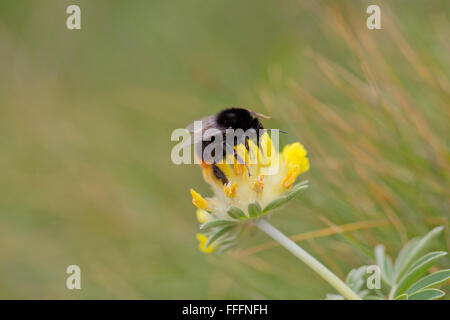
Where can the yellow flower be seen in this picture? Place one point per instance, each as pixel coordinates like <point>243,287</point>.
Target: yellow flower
<point>295,157</point>
<point>246,197</point>
<point>203,216</point>
<point>202,239</point>
<point>198,200</point>
<point>258,185</point>
<point>230,189</point>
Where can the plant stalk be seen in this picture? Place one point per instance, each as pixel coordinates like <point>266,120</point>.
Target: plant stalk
<point>308,259</point>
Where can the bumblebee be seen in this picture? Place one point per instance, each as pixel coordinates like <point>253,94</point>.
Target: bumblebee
<point>232,118</point>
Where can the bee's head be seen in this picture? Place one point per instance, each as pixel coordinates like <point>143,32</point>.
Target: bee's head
<point>238,118</point>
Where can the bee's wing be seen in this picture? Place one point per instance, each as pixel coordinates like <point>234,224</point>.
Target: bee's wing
<point>199,135</point>
<point>206,122</point>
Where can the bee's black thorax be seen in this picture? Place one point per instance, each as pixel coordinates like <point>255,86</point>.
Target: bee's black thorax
<point>233,118</point>
<point>237,118</point>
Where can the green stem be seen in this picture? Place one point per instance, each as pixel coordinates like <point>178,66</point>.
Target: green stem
<point>308,259</point>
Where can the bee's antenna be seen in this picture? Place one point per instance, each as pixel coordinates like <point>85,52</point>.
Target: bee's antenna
<point>282,131</point>
<point>260,115</point>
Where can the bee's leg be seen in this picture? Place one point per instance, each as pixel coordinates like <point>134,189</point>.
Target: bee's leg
<point>258,143</point>
<point>247,146</point>
<point>230,150</point>
<point>219,174</point>
<point>246,143</point>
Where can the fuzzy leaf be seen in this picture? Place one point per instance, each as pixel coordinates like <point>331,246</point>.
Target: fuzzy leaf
<point>215,223</point>
<point>388,268</point>
<point>236,213</point>
<point>275,204</point>
<point>331,296</point>
<point>373,297</point>
<point>427,294</point>
<point>295,191</point>
<point>430,280</point>
<point>218,234</point>
<point>415,250</point>
<point>384,263</point>
<point>356,278</point>
<point>417,270</point>
<point>254,209</point>
<point>402,255</point>
<point>300,185</point>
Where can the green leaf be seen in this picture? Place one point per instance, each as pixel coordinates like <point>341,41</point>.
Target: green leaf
<point>403,296</point>
<point>218,234</point>
<point>417,250</point>
<point>373,297</point>
<point>283,199</point>
<point>417,270</point>
<point>254,209</point>
<point>300,185</point>
<point>402,255</point>
<point>295,191</point>
<point>430,280</point>
<point>331,296</point>
<point>380,255</point>
<point>427,294</point>
<point>384,263</point>
<point>215,223</point>
<point>275,204</point>
<point>356,278</point>
<point>236,213</point>
<point>388,268</point>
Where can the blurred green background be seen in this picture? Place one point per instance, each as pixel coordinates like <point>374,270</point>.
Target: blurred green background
<point>86,118</point>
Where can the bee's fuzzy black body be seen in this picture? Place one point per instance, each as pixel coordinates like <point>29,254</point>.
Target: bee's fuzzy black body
<point>237,118</point>
<point>233,118</point>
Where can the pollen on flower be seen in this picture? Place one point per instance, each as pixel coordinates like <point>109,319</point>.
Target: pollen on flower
<point>202,239</point>
<point>290,177</point>
<point>258,184</point>
<point>238,169</point>
<point>230,189</point>
<point>198,200</point>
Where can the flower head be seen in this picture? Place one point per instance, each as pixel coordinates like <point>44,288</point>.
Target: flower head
<point>246,197</point>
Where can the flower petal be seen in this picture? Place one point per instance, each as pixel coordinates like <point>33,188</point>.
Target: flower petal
<point>198,200</point>
<point>202,239</point>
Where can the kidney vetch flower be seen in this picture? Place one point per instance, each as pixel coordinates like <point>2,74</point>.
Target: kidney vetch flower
<point>247,198</point>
